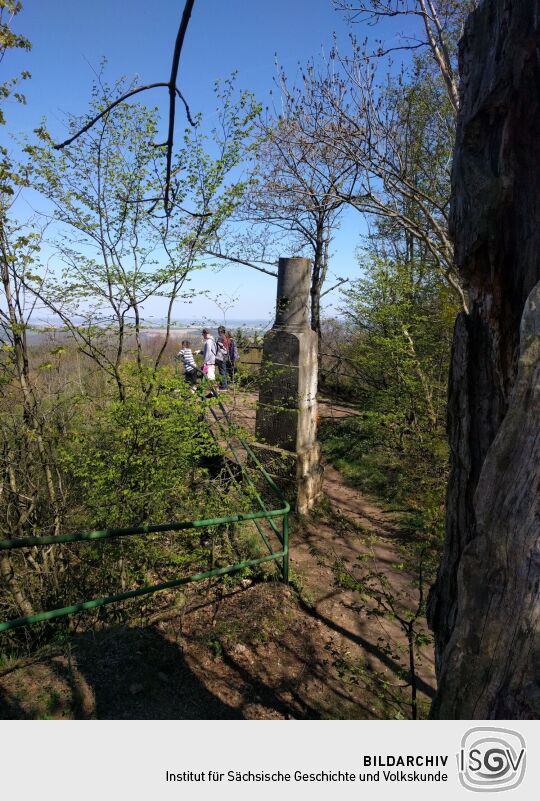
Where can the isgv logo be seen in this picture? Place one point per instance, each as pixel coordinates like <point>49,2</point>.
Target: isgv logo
<point>491,759</point>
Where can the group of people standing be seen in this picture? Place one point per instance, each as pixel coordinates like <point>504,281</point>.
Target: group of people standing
<point>219,354</point>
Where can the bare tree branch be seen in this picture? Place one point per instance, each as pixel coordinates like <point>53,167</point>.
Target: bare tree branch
<point>174,93</point>
<point>336,286</point>
<point>236,260</point>
<point>109,108</point>
<point>436,17</point>
<point>172,97</point>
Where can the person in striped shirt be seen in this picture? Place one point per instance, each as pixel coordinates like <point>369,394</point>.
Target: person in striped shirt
<point>188,360</point>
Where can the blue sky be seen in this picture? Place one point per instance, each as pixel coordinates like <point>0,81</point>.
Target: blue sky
<point>70,37</point>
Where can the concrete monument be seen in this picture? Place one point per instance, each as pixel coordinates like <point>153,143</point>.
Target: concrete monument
<point>287,409</point>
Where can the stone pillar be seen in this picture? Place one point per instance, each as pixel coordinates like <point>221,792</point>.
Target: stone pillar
<point>287,409</point>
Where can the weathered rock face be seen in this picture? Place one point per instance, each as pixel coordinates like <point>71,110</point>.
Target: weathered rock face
<point>490,667</point>
<point>491,562</point>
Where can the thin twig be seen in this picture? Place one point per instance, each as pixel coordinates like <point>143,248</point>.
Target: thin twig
<point>109,108</point>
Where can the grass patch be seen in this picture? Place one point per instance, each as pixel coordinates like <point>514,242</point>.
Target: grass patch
<point>356,446</point>
<point>403,474</point>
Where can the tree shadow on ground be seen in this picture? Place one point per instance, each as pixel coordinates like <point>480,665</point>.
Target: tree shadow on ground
<point>136,673</point>
<point>121,673</point>
<point>367,647</point>
<point>10,709</point>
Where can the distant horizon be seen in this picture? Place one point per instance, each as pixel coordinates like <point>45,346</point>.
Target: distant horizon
<point>160,322</point>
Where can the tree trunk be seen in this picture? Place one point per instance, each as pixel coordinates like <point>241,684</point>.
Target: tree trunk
<point>10,582</point>
<point>318,274</point>
<point>483,607</point>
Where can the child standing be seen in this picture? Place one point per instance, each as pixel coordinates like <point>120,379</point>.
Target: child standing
<point>188,360</point>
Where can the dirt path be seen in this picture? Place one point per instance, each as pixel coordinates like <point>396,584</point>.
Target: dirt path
<point>256,651</point>
<point>356,537</point>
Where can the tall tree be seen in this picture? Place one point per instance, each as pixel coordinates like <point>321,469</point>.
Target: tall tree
<point>400,126</point>
<point>397,131</point>
<point>23,447</point>
<point>296,188</point>
<point>301,178</point>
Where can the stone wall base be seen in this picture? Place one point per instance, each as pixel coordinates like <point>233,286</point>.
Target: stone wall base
<point>300,475</point>
<point>309,478</point>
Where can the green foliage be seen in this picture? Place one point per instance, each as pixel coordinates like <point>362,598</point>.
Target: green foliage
<point>400,314</point>
<point>140,460</point>
<point>110,249</point>
<point>403,313</point>
<point>8,38</point>
<point>104,183</point>
<point>96,433</point>
<point>149,458</point>
<point>297,583</point>
<point>399,338</point>
<point>114,249</point>
<point>10,178</point>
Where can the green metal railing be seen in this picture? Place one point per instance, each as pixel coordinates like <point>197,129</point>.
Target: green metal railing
<point>271,515</point>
